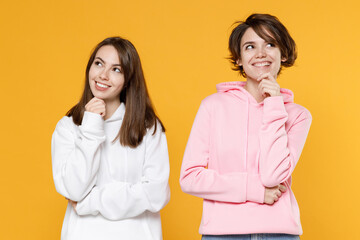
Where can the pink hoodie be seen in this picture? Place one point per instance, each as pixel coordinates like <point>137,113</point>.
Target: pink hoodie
<point>236,148</point>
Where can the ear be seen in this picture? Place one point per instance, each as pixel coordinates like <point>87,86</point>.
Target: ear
<point>283,59</point>
<point>238,62</point>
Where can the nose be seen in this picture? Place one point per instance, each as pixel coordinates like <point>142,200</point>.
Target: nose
<point>104,75</point>
<point>261,52</point>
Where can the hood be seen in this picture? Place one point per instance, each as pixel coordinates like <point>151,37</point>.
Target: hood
<point>237,88</point>
<point>118,114</point>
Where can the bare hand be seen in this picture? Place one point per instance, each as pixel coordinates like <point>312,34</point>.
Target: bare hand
<point>268,86</point>
<point>273,194</point>
<point>96,105</point>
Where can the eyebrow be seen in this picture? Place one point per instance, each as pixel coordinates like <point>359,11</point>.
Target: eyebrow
<point>248,43</point>
<point>105,62</point>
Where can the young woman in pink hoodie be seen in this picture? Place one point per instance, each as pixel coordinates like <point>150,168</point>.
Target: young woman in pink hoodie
<point>247,139</point>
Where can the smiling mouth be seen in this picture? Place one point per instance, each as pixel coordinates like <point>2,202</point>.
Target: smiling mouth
<point>102,85</point>
<point>262,64</point>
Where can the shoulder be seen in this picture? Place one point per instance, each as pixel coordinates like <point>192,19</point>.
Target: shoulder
<point>218,102</point>
<point>297,114</point>
<point>216,98</point>
<point>291,107</point>
<point>155,135</point>
<point>297,109</point>
<point>155,129</point>
<point>65,129</point>
<point>65,123</point>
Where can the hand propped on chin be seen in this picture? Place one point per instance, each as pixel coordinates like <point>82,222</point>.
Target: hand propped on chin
<point>96,105</point>
<point>268,86</point>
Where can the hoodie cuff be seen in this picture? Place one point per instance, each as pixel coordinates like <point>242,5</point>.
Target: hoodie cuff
<point>87,205</point>
<point>255,190</point>
<point>274,103</point>
<point>92,121</point>
<point>92,125</point>
<point>274,109</point>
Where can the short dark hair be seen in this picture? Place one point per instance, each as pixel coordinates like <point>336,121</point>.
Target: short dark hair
<point>270,29</point>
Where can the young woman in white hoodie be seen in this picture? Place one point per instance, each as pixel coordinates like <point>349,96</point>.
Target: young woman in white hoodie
<point>109,153</point>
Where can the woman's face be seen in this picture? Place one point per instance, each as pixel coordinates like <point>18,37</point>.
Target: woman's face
<point>258,56</point>
<point>106,77</point>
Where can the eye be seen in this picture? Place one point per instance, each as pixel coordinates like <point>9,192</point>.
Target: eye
<point>249,47</point>
<point>270,45</point>
<point>98,63</point>
<point>116,69</point>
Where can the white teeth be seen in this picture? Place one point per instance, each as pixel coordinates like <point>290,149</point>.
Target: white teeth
<point>101,85</point>
<point>262,64</point>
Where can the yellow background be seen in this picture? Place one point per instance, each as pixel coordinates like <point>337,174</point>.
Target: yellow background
<point>44,47</point>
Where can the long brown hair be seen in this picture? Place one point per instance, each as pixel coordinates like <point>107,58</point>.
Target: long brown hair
<point>263,25</point>
<point>139,112</point>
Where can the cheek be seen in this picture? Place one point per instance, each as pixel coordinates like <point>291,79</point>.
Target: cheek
<point>91,73</point>
<point>279,60</point>
<point>276,56</point>
<point>245,58</point>
<point>120,81</point>
<point>118,84</point>
<point>245,63</point>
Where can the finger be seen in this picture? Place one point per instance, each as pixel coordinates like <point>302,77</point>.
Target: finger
<point>269,82</point>
<point>263,76</point>
<point>278,193</point>
<point>261,88</point>
<point>266,87</point>
<point>276,198</point>
<point>272,91</point>
<point>94,100</point>
<point>268,76</point>
<point>97,102</point>
<point>90,103</point>
<point>264,91</point>
<point>269,91</point>
<point>96,107</point>
<point>282,188</point>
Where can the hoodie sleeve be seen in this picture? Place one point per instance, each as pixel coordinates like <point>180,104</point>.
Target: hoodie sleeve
<point>76,155</point>
<point>196,179</point>
<point>121,200</point>
<point>280,150</point>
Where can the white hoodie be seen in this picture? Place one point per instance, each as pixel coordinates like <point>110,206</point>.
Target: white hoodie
<point>119,190</point>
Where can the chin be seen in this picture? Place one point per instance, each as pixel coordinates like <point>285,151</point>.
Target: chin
<point>98,95</point>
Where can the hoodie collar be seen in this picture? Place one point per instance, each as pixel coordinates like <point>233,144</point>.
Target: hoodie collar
<point>118,114</point>
<point>237,88</point>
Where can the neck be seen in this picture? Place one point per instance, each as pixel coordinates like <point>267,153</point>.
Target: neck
<point>111,107</point>
<point>252,87</point>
